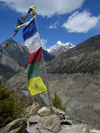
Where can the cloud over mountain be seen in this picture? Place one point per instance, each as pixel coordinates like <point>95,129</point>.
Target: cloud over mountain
<point>44,7</point>
<point>81,22</point>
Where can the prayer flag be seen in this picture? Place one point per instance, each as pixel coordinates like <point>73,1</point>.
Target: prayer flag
<point>1,52</point>
<point>32,41</point>
<point>5,45</point>
<point>23,18</point>
<point>15,32</point>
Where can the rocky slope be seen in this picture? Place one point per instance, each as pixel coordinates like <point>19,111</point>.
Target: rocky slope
<point>15,57</point>
<point>75,76</point>
<point>79,92</point>
<point>46,122</point>
<point>20,53</point>
<point>6,72</point>
<point>16,51</point>
<point>11,63</point>
<point>83,58</point>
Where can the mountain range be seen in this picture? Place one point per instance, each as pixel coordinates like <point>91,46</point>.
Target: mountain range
<point>20,53</point>
<point>74,75</point>
<point>85,57</point>
<point>15,57</point>
<point>60,47</point>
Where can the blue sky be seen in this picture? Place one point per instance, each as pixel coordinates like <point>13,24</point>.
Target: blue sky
<point>58,20</point>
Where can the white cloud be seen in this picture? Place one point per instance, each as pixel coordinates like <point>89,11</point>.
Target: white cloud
<point>54,26</point>
<point>81,22</point>
<point>45,7</point>
<point>43,43</point>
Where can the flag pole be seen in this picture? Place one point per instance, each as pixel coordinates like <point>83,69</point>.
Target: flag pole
<point>32,11</point>
<point>50,104</point>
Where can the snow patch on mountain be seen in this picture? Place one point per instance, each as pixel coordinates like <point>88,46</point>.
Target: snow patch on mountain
<point>59,44</point>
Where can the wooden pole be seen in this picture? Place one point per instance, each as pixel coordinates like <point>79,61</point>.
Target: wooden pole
<point>33,12</point>
<point>50,104</point>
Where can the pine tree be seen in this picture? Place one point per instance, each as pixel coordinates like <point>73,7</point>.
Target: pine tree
<point>9,108</point>
<point>57,102</point>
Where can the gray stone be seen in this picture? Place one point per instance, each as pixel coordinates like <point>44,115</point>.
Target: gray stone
<point>79,128</point>
<point>50,122</point>
<point>44,111</point>
<point>32,129</point>
<point>18,130</point>
<point>18,124</point>
<point>33,119</point>
<point>32,110</point>
<point>58,111</point>
<point>37,103</point>
<point>75,128</point>
<point>66,122</point>
<point>94,131</point>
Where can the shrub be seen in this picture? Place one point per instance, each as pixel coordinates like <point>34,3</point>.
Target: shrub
<point>9,108</point>
<point>57,102</point>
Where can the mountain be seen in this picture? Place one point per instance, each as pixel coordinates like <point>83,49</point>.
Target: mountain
<point>59,48</point>
<point>47,56</point>
<point>15,57</point>
<point>21,53</point>
<point>6,72</point>
<point>16,52</point>
<point>85,57</point>
<point>72,75</point>
<point>79,92</point>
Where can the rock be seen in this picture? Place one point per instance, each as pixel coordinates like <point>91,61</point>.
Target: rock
<point>18,130</point>
<point>79,128</point>
<point>75,128</point>
<point>66,117</point>
<point>50,122</point>
<point>32,110</point>
<point>66,122</point>
<point>44,131</point>
<point>37,103</point>
<point>16,125</point>
<point>94,131</point>
<point>58,111</point>
<point>33,119</point>
<point>60,115</point>
<point>32,129</point>
<point>44,111</point>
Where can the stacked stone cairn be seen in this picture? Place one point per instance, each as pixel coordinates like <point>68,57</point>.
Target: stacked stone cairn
<point>46,122</point>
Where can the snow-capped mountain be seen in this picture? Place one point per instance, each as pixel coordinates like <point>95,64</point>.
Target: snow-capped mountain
<point>60,47</point>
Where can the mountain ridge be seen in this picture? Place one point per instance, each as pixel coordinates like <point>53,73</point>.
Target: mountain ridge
<point>16,56</point>
<point>20,53</point>
<point>60,47</point>
<point>85,57</point>
<point>68,75</point>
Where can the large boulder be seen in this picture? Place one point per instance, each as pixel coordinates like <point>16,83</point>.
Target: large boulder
<point>46,111</point>
<point>50,122</point>
<point>17,126</point>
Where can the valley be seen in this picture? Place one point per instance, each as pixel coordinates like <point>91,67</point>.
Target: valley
<point>74,75</point>
<point>79,92</point>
